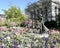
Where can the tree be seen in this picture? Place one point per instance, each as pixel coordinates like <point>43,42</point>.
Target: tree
<point>14,15</point>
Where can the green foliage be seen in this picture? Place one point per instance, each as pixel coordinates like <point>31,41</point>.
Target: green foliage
<point>2,23</point>
<point>14,15</point>
<point>13,12</point>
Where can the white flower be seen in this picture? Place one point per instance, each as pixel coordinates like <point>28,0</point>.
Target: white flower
<point>44,35</point>
<point>3,45</point>
<point>36,40</point>
<point>19,45</point>
<point>8,38</point>
<point>28,45</point>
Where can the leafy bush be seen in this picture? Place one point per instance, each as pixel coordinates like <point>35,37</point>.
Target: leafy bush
<point>14,15</point>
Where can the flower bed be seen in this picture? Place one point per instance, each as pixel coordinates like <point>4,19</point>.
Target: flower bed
<point>29,40</point>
